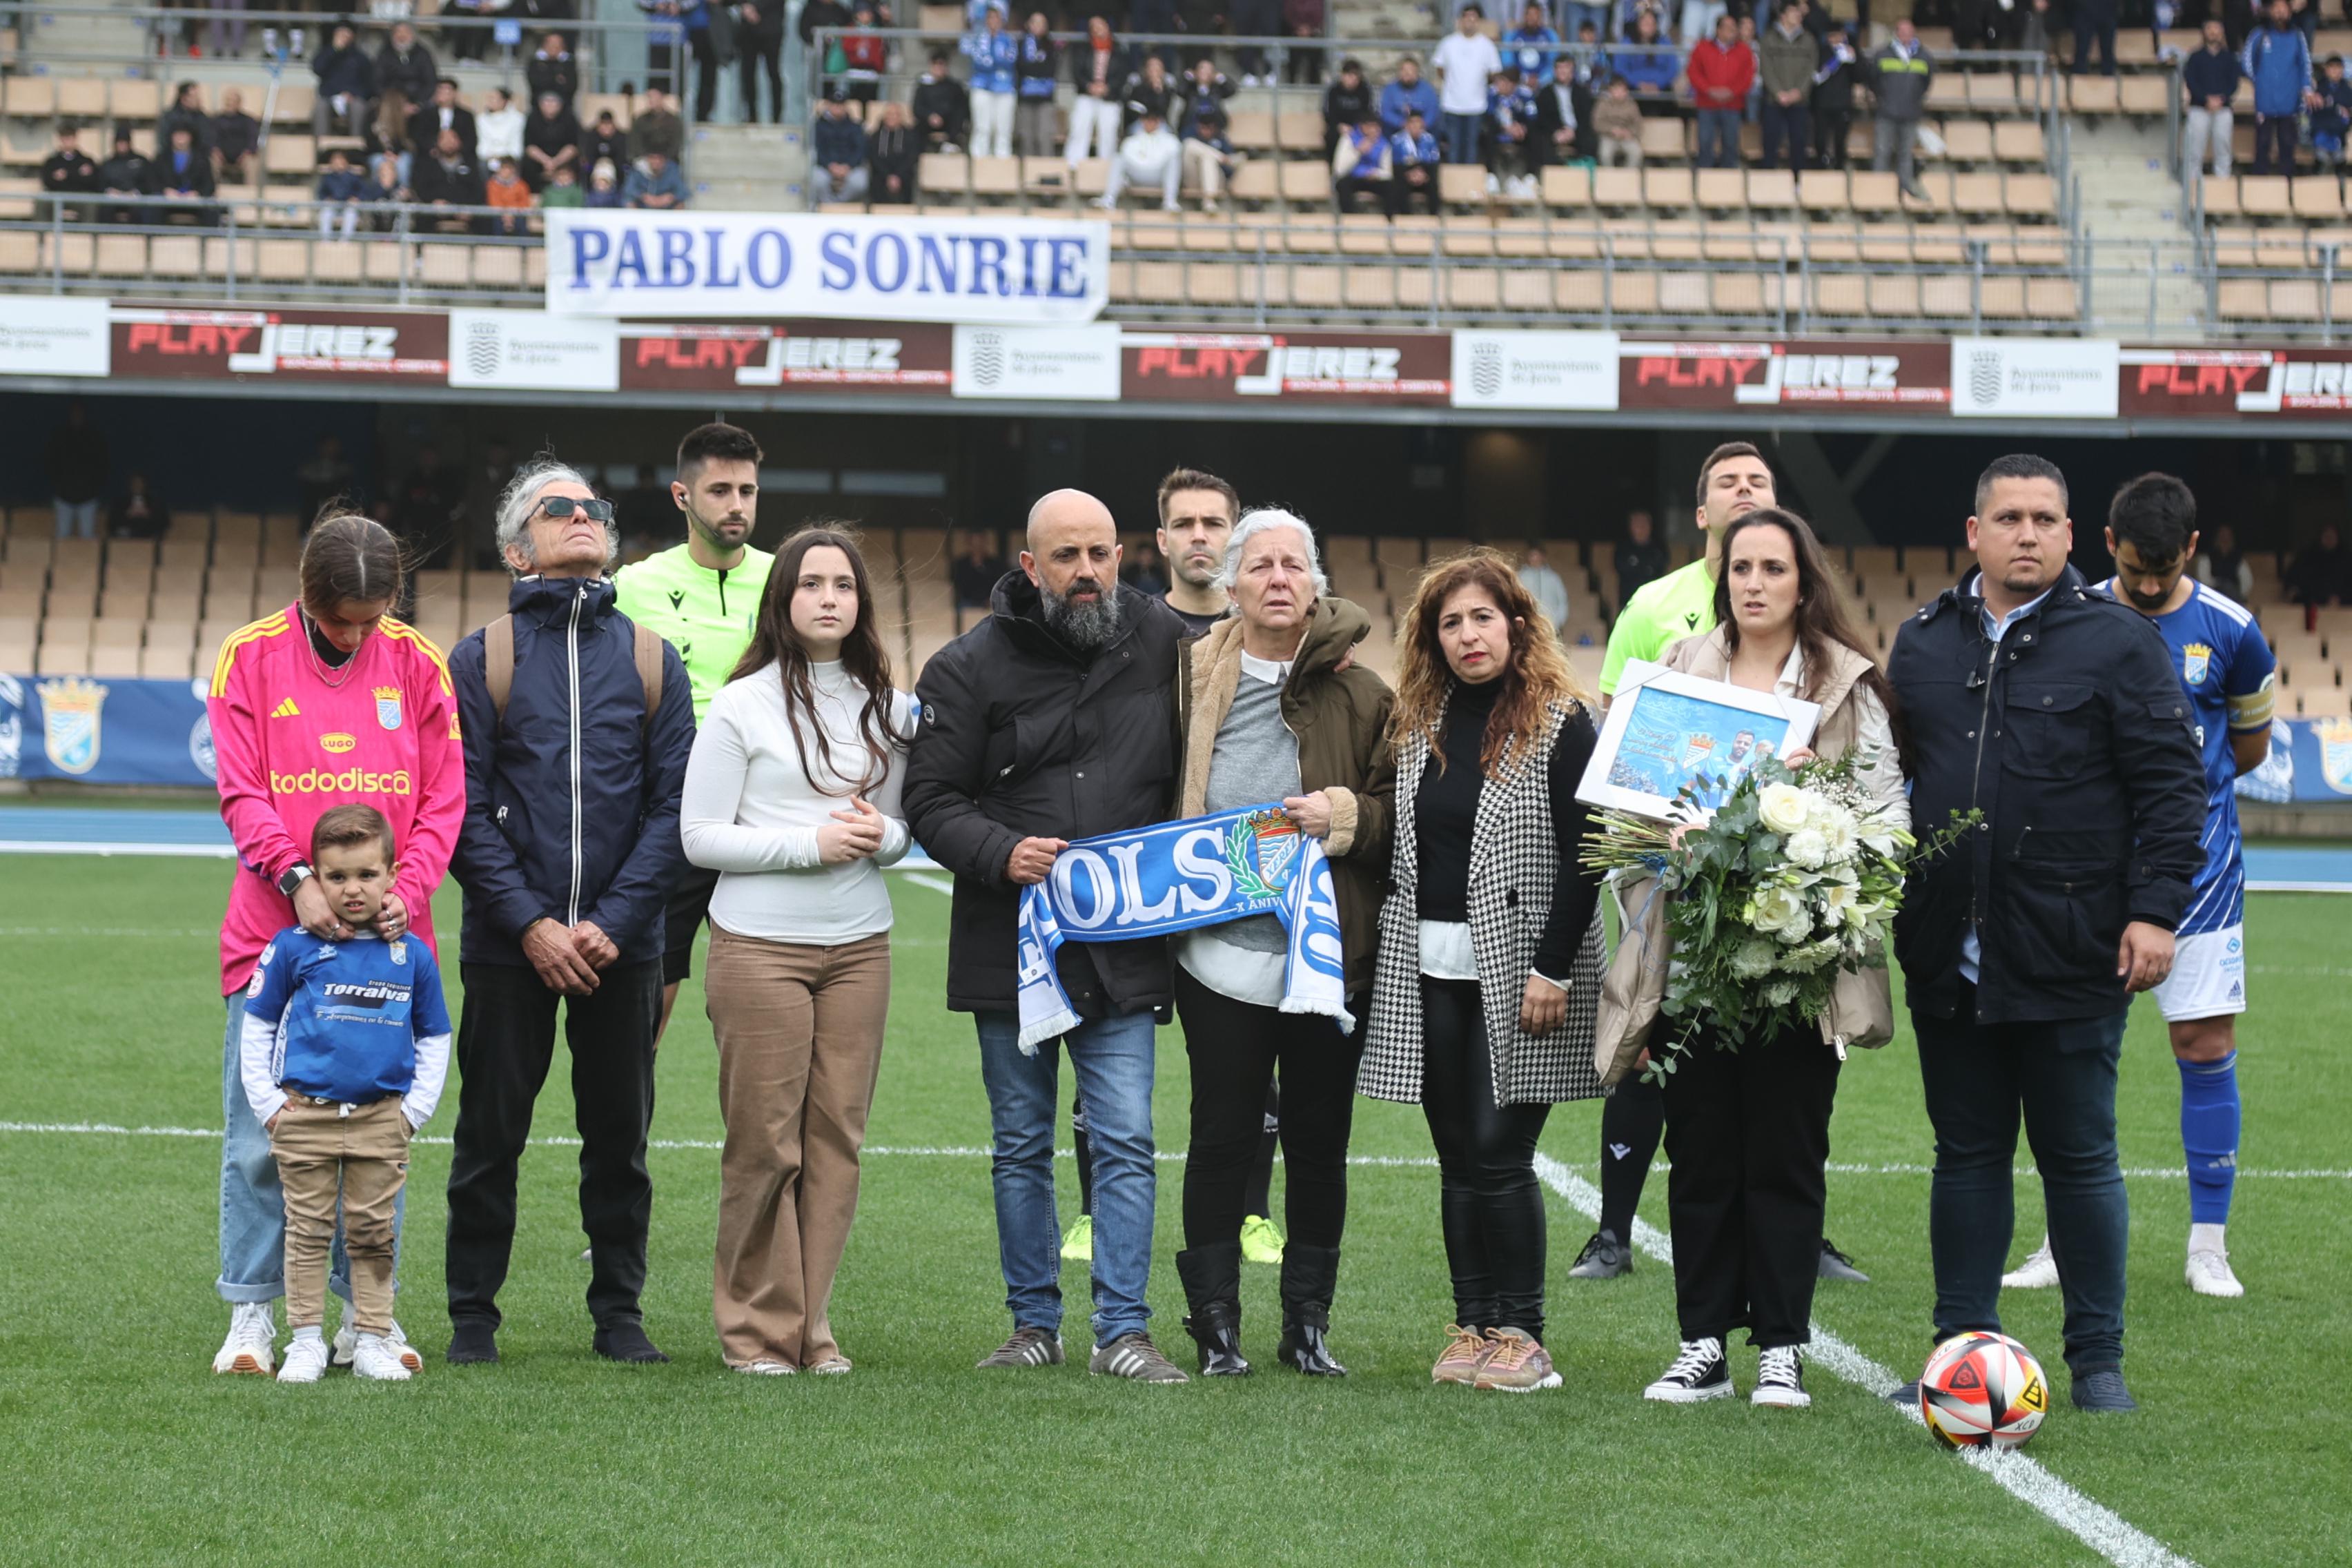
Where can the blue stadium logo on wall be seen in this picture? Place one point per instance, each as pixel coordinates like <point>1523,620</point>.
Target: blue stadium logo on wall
<point>2335,736</point>
<point>200,748</point>
<point>69,722</point>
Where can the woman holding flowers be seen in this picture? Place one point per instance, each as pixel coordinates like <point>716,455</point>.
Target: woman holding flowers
<point>1748,1117</point>
<point>1486,986</point>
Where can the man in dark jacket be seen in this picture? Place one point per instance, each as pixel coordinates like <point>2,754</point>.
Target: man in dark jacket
<point>1347,103</point>
<point>942,106</point>
<point>347,88</point>
<point>445,113</point>
<point>130,173</point>
<point>552,69</point>
<point>187,113</point>
<point>1050,720</point>
<point>567,855</point>
<point>2056,713</point>
<point>837,149</point>
<point>407,66</point>
<point>1563,108</point>
<point>70,172</point>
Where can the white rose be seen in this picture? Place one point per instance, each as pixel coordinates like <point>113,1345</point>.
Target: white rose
<point>1780,913</point>
<point>1752,960</point>
<point>1781,807</point>
<point>1807,848</point>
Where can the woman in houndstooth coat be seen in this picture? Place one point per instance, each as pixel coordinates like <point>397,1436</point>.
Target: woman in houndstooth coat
<point>1490,952</point>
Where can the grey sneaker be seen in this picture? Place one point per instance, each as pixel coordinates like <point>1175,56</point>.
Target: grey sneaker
<point>2104,1391</point>
<point>1027,1347</point>
<point>1604,1258</point>
<point>1836,1265</point>
<point>1134,1356</point>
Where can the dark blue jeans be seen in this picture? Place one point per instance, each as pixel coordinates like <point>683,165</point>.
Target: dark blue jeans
<point>1457,137</point>
<point>2062,1076</point>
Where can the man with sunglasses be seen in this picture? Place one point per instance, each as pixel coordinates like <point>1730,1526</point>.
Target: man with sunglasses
<point>577,725</point>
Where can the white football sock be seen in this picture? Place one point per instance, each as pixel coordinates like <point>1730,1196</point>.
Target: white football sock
<point>2206,1238</point>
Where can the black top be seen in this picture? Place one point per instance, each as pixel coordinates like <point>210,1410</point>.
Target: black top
<point>1195,626</point>
<point>1446,815</point>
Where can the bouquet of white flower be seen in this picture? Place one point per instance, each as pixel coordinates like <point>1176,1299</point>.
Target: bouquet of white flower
<point>1793,882</point>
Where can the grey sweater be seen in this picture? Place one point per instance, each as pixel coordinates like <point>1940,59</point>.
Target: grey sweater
<point>1256,759</point>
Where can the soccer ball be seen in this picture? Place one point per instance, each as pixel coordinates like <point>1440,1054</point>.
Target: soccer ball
<point>1983,1391</point>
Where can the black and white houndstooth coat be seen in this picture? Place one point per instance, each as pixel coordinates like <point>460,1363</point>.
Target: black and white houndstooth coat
<point>1513,860</point>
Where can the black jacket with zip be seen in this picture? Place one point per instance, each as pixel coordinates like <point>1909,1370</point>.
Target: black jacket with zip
<point>2072,735</point>
<point>571,799</point>
<point>1023,737</point>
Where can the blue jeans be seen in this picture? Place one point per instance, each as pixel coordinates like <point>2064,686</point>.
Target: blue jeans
<point>1112,1058</point>
<point>1573,15</point>
<point>253,1203</point>
<point>2061,1076</point>
<point>1718,139</point>
<point>1457,137</point>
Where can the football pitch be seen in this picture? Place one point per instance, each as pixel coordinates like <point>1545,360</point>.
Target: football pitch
<point>119,1444</point>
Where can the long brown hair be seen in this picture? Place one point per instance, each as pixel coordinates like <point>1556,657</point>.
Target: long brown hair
<point>1824,619</point>
<point>347,556</point>
<point>774,641</point>
<point>1536,678</point>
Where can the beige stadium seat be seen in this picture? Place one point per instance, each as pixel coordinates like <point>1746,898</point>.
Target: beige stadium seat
<point>2267,195</point>
<point>1717,190</point>
<point>285,261</point>
<point>2317,199</point>
<point>122,255</point>
<point>2031,196</point>
<point>997,179</point>
<point>1967,140</point>
<point>115,663</point>
<point>2020,142</point>
<point>222,257</point>
<point>80,98</point>
<point>1671,188</point>
<point>295,102</point>
<point>2094,94</point>
<point>1252,131</point>
<point>1773,190</point>
<point>1258,180</point>
<point>1664,138</point>
<point>32,97</point>
<point>1875,191</point>
<point>1976,196</point>
<point>1462,185</point>
<point>2148,95</point>
<point>1567,188</point>
<point>166,663</point>
<point>941,174</point>
<point>1307,182</point>
<point>1616,188</point>
<point>140,98</point>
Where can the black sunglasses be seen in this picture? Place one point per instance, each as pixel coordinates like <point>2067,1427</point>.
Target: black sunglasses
<point>564,506</point>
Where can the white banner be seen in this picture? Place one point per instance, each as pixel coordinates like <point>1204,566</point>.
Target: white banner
<point>1058,365</point>
<point>2068,378</point>
<point>47,335</point>
<point>534,350</point>
<point>981,268</point>
<point>1535,370</point>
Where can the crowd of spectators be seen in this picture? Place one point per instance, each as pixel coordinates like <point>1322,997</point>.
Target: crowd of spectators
<point>2294,93</point>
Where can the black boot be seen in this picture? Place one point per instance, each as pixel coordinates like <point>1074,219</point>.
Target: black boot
<point>1308,1276</point>
<point>1213,1286</point>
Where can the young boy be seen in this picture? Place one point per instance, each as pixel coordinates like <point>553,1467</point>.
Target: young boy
<point>345,1048</point>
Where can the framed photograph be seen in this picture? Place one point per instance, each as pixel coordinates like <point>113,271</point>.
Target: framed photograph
<point>1667,731</point>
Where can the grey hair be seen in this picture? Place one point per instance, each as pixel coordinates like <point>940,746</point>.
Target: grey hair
<point>520,499</point>
<point>1259,520</point>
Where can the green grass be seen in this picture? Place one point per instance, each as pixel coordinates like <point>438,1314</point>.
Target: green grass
<point>119,1444</point>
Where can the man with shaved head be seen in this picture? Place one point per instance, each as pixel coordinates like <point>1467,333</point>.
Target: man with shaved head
<point>1053,719</point>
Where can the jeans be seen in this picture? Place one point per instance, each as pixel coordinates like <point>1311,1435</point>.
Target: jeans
<point>1112,1058</point>
<point>2273,131</point>
<point>253,1202</point>
<point>1791,121</point>
<point>506,1043</point>
<point>1233,1048</point>
<point>2061,1076</point>
<point>1256,18</point>
<point>1457,136</point>
<point>1894,144</point>
<point>1573,15</point>
<point>1718,139</point>
<point>2095,24</point>
<point>1747,1135</point>
<point>79,519</point>
<point>2206,134</point>
<point>1490,1202</point>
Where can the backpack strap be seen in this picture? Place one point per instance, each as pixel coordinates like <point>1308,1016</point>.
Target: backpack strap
<point>649,666</point>
<point>499,662</point>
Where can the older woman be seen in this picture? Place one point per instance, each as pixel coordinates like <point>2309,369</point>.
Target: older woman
<point>1490,956</point>
<point>1268,713</point>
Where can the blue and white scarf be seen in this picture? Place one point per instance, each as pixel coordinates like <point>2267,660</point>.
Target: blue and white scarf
<point>1178,877</point>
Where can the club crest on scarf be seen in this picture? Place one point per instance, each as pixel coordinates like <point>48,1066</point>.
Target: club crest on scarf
<point>1178,877</point>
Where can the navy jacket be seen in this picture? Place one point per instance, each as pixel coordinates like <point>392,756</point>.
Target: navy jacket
<point>2211,73</point>
<point>2072,736</point>
<point>571,814</point>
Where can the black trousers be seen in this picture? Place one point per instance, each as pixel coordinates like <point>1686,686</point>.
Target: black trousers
<point>506,1043</point>
<point>705,74</point>
<point>1489,1199</point>
<point>1749,1133</point>
<point>1830,128</point>
<point>1235,1049</point>
<point>751,54</point>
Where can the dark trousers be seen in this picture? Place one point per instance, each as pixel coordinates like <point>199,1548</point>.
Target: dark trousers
<point>1403,192</point>
<point>752,52</point>
<point>706,73</point>
<point>1788,121</point>
<point>1489,1199</point>
<point>1830,128</point>
<point>506,1043</point>
<point>1235,1049</point>
<point>2094,24</point>
<point>1259,18</point>
<point>2061,1076</point>
<point>2273,131</point>
<point>1747,1132</point>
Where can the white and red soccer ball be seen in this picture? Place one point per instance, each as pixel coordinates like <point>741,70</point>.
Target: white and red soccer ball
<point>1983,1391</point>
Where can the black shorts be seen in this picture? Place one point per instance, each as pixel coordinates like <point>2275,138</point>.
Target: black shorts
<point>690,905</point>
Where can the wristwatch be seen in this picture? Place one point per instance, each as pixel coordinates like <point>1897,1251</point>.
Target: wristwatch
<point>296,875</point>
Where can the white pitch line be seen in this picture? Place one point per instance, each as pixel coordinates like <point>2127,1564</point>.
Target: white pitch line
<point>925,879</point>
<point>2093,1524</point>
<point>47,847</point>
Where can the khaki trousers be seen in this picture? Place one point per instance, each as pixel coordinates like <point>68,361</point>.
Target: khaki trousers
<point>357,1154</point>
<point>800,1042</point>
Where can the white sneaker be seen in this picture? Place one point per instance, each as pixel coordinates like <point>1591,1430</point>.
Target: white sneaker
<point>768,1369</point>
<point>1493,186</point>
<point>2038,1272</point>
<point>252,1333</point>
<point>306,1358</point>
<point>347,1343</point>
<point>375,1358</point>
<point>2209,1275</point>
<point>1780,1379</point>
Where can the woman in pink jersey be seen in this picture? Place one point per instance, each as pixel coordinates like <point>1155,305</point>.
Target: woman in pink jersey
<point>326,703</point>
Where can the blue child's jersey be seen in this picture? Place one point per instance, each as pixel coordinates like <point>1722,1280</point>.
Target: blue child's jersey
<point>2226,669</point>
<point>347,1014</point>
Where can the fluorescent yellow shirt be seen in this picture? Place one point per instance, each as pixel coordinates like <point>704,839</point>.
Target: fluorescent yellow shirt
<point>1660,614</point>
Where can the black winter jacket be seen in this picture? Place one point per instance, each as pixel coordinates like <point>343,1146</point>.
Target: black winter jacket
<point>571,812</point>
<point>2073,737</point>
<point>1021,737</point>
